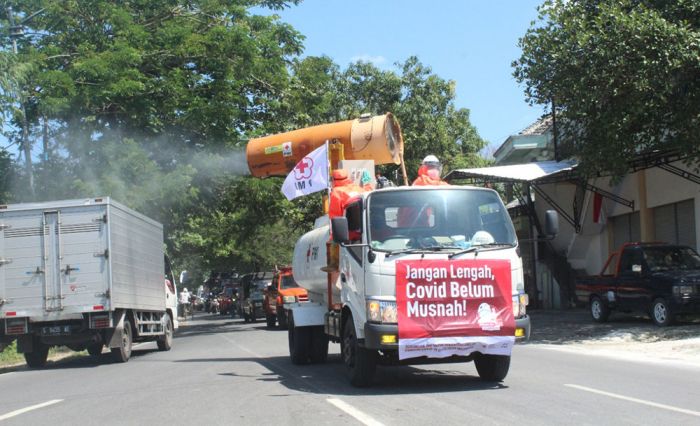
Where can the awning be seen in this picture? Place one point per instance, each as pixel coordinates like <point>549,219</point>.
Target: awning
<point>536,171</point>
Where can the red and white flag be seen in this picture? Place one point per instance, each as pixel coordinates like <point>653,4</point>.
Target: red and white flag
<point>309,175</point>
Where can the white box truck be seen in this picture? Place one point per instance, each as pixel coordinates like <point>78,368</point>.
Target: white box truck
<point>425,275</point>
<point>85,274</point>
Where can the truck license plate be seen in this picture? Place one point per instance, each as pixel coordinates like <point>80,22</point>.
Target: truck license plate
<point>55,330</point>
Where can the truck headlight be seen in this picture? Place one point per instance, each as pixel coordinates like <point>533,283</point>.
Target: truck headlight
<point>520,302</point>
<point>289,299</point>
<point>382,311</point>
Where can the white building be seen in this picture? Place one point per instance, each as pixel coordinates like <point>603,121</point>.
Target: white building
<point>659,200</point>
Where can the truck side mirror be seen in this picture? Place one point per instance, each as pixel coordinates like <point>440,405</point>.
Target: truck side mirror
<point>551,223</point>
<point>339,227</point>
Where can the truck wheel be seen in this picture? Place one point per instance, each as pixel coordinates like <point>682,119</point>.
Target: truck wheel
<point>360,363</point>
<point>95,349</point>
<point>492,368</point>
<point>661,313</point>
<point>271,320</point>
<point>282,319</point>
<point>123,352</point>
<point>37,358</point>
<point>165,342</point>
<point>599,310</point>
<point>319,345</point>
<point>299,343</point>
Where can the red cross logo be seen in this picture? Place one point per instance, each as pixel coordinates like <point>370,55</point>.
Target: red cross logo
<point>304,169</point>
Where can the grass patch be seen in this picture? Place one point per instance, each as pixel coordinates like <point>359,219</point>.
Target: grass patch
<point>10,356</point>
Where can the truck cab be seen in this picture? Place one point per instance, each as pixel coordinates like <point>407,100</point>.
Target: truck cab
<point>658,279</point>
<point>284,289</point>
<point>409,255</point>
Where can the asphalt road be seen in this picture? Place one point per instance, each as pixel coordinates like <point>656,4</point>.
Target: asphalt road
<point>222,371</point>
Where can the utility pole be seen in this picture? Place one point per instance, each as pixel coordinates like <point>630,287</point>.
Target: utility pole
<point>16,31</point>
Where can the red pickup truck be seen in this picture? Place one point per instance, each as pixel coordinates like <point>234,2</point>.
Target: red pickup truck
<point>659,279</point>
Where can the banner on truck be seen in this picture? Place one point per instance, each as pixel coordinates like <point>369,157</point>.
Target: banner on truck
<point>454,307</point>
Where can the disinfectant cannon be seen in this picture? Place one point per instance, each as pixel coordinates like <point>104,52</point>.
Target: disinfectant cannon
<point>375,138</point>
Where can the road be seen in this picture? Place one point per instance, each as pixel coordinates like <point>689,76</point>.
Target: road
<point>222,371</point>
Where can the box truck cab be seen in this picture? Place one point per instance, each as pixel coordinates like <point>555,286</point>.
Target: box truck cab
<point>426,275</point>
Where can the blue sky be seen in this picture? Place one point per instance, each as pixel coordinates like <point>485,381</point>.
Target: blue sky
<point>471,42</point>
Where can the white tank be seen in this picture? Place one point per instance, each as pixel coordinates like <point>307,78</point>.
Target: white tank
<point>309,257</point>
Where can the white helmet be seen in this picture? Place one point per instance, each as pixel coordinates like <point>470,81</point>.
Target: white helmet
<point>431,162</point>
<point>431,159</point>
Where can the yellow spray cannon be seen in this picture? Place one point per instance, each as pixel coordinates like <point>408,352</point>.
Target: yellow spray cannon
<point>375,138</point>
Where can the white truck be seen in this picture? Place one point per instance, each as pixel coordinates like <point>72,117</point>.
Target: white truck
<point>85,274</point>
<point>425,275</point>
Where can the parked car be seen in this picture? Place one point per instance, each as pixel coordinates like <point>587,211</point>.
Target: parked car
<point>659,279</point>
<point>284,289</point>
<point>252,296</point>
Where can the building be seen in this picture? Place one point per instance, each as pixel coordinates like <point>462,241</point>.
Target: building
<point>659,200</point>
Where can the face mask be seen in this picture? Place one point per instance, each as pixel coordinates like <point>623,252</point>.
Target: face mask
<point>433,174</point>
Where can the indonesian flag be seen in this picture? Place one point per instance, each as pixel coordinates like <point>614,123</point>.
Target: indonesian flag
<point>309,175</point>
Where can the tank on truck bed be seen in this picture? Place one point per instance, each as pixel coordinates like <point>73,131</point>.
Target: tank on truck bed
<point>82,273</point>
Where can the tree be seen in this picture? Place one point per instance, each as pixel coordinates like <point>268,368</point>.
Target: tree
<point>623,75</point>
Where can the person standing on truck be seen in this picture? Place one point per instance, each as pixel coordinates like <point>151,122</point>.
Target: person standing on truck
<point>344,189</point>
<point>429,172</point>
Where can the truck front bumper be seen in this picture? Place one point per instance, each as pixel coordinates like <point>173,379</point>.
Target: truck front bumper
<point>380,336</point>
<point>522,323</point>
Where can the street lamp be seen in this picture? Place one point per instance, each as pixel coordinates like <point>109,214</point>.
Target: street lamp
<point>17,31</point>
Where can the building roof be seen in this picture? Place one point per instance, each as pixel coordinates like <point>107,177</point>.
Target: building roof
<point>532,144</point>
<point>537,171</point>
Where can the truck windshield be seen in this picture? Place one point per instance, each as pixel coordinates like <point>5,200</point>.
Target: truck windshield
<point>671,258</point>
<point>438,218</point>
<point>288,282</point>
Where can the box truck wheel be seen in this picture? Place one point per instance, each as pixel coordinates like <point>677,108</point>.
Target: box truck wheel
<point>282,318</point>
<point>165,342</point>
<point>299,342</point>
<point>360,363</point>
<point>319,345</point>
<point>492,368</point>
<point>123,352</point>
<point>271,320</point>
<point>95,349</point>
<point>37,357</point>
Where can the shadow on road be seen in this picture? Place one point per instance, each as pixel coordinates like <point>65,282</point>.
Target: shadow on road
<point>329,378</point>
<point>576,326</point>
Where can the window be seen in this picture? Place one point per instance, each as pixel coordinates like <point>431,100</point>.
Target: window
<point>675,223</point>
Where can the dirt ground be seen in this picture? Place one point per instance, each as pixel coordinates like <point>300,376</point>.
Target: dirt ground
<point>624,335</point>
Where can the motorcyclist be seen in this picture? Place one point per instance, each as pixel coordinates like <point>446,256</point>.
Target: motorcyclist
<point>429,172</point>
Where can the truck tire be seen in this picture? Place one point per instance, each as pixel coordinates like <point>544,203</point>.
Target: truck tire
<point>299,343</point>
<point>95,349</point>
<point>271,320</point>
<point>360,363</point>
<point>319,345</point>
<point>661,313</point>
<point>37,358</point>
<point>165,342</point>
<point>282,319</point>
<point>123,352</point>
<point>492,368</point>
<point>599,310</point>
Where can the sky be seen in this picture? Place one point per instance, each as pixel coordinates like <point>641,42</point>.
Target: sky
<point>470,42</point>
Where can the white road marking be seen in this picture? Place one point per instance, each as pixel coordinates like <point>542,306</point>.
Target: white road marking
<point>26,409</point>
<point>638,401</point>
<point>344,406</point>
<point>354,412</point>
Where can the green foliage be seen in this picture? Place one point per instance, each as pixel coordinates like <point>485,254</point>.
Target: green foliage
<point>623,75</point>
<point>151,102</point>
